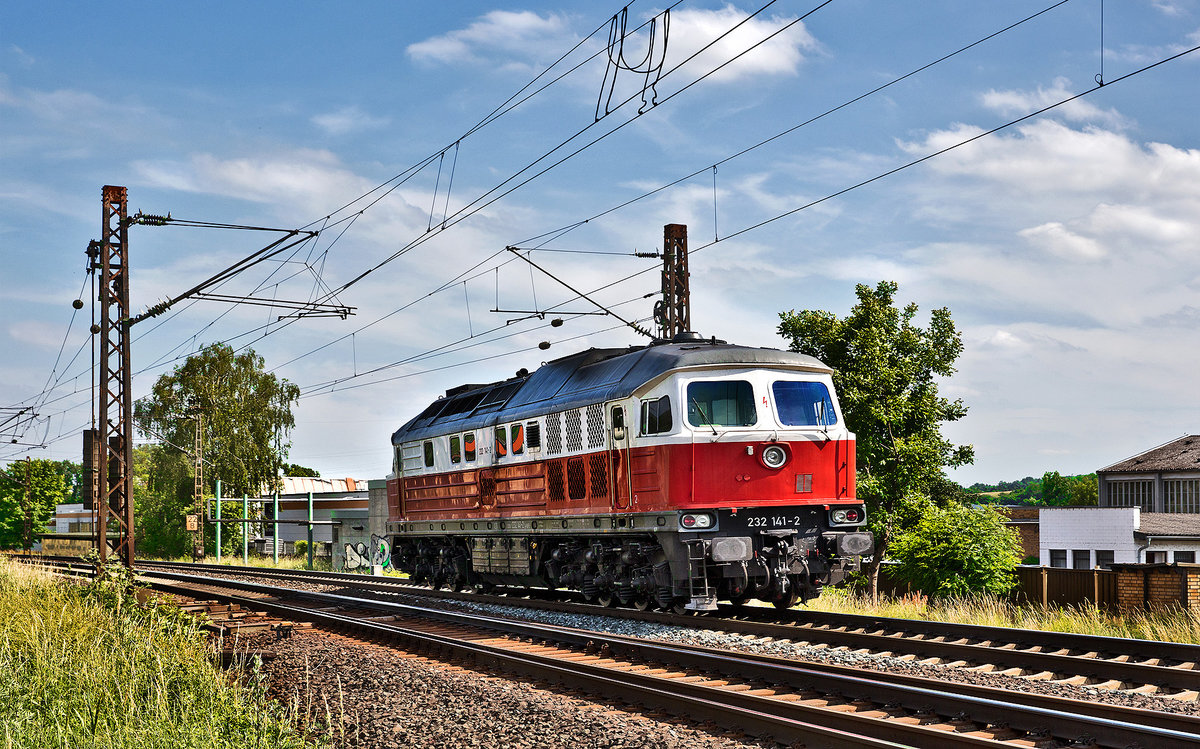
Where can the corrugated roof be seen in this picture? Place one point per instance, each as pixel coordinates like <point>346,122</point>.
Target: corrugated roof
<point>1168,524</point>
<point>591,376</point>
<point>1182,454</point>
<point>306,484</point>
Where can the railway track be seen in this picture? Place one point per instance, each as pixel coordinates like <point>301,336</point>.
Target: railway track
<point>1164,669</point>
<point>819,704</point>
<point>762,695</point>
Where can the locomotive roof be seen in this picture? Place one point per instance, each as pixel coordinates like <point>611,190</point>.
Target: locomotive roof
<point>581,379</point>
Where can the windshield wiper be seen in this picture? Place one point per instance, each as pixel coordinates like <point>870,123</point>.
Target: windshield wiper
<point>704,416</point>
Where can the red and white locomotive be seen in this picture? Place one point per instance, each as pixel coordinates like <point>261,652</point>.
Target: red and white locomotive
<point>670,475</point>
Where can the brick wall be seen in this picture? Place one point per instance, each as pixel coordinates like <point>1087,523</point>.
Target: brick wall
<point>1151,586</point>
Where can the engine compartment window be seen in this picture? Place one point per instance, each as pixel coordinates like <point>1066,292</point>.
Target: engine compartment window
<point>469,445</point>
<point>803,404</point>
<point>428,449</point>
<point>725,403</point>
<point>656,416</point>
<point>501,442</point>
<point>518,439</point>
<point>455,449</point>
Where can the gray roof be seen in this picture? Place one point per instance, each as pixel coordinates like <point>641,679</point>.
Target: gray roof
<point>592,376</point>
<point>1182,454</point>
<point>1168,524</point>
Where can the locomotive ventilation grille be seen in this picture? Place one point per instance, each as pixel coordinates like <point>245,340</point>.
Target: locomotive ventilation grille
<point>554,481</point>
<point>595,426</point>
<point>576,478</point>
<point>554,434</point>
<point>574,419</point>
<point>598,468</point>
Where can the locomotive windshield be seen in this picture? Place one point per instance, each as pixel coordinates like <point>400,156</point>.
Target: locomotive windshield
<point>803,404</point>
<point>726,403</point>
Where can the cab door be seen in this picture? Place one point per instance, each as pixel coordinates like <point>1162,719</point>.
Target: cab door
<point>618,450</point>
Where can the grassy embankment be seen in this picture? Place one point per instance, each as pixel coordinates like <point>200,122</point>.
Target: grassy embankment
<point>1173,626</point>
<point>88,667</point>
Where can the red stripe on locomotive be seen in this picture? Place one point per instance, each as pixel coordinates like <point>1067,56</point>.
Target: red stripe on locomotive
<point>657,478</point>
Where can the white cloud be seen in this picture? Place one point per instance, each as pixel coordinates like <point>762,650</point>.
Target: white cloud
<point>1013,103</point>
<point>691,30</point>
<point>1061,241</point>
<point>348,120</point>
<point>37,333</point>
<point>501,31</point>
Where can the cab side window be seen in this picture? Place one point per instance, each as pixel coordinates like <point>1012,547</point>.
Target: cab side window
<point>656,416</point>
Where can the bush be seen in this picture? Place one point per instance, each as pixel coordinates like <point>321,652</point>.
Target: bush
<point>92,667</point>
<point>958,551</point>
<point>301,548</point>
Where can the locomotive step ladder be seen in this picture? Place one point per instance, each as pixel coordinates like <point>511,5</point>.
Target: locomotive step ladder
<point>702,595</point>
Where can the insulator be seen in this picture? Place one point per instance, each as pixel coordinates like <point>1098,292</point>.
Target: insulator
<point>77,304</point>
<point>544,345</point>
<point>556,322</point>
<point>95,328</point>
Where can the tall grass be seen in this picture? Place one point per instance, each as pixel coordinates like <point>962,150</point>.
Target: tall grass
<point>88,667</point>
<point>1170,625</point>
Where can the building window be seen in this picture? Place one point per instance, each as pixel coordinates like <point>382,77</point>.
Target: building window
<point>428,454</point>
<point>1156,557</point>
<point>455,449</point>
<point>1081,559</point>
<point>1105,558</point>
<point>1058,558</point>
<point>1188,557</point>
<point>1181,495</point>
<point>725,403</point>
<point>518,439</point>
<point>656,416</point>
<point>1139,493</point>
<point>469,446</point>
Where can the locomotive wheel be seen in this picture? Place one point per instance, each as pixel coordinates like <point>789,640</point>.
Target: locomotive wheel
<point>641,603</point>
<point>787,601</point>
<point>607,599</point>
<point>738,601</point>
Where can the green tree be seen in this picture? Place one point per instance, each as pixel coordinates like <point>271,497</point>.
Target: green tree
<point>47,488</point>
<point>297,471</point>
<point>1056,489</point>
<point>246,413</point>
<point>957,551</point>
<point>884,370</point>
<point>1085,490</point>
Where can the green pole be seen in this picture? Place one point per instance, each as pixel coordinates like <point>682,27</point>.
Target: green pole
<point>218,521</point>
<point>245,530</point>
<point>310,530</point>
<point>275,532</point>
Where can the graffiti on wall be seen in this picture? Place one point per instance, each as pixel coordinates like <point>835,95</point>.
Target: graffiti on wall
<point>360,556</point>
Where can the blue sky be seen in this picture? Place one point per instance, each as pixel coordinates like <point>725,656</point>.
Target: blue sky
<point>1065,245</point>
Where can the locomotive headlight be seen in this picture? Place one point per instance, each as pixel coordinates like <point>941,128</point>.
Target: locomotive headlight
<point>696,521</point>
<point>774,456</point>
<point>841,516</point>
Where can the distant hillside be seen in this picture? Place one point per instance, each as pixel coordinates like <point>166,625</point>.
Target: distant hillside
<point>1052,489</point>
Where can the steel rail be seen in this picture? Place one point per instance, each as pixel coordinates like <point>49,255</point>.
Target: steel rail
<point>1060,723</point>
<point>1035,651</point>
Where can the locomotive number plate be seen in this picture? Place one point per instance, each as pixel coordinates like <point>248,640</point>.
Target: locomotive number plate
<point>774,521</point>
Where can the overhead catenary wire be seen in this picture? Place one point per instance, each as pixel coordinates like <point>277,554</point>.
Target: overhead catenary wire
<point>877,177</point>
